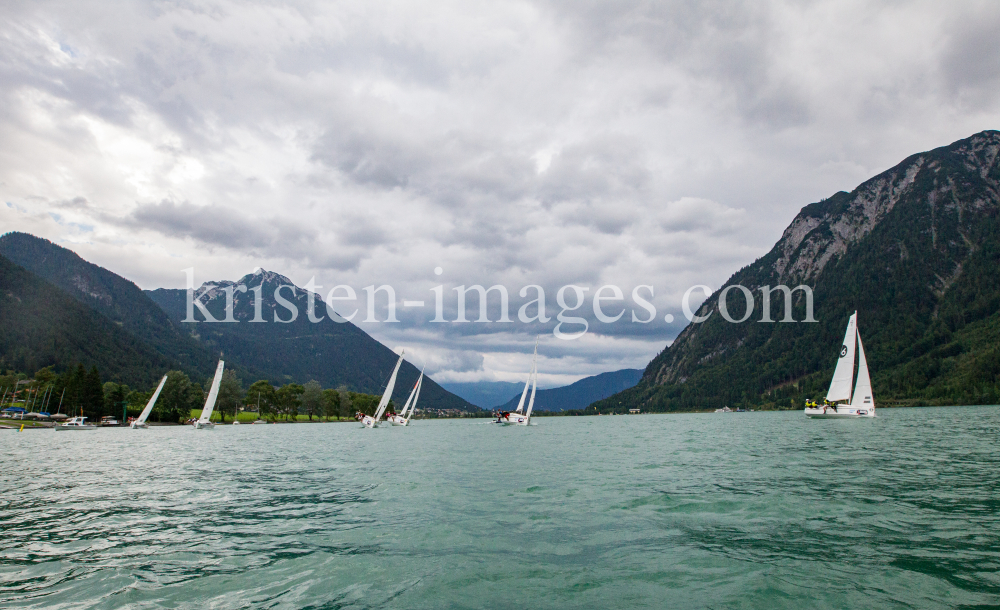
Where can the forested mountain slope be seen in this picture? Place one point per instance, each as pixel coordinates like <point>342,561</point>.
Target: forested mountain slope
<point>915,250</point>
<point>41,325</point>
<point>114,297</point>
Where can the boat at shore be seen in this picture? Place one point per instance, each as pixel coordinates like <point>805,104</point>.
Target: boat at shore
<point>840,402</point>
<point>204,422</point>
<point>76,423</point>
<point>371,421</point>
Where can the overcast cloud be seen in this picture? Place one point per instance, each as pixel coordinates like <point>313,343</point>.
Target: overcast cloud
<point>515,143</point>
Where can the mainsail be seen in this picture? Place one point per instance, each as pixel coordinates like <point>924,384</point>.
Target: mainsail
<point>415,395</point>
<point>524,393</point>
<point>843,376</point>
<point>213,394</point>
<point>152,401</point>
<point>534,382</point>
<point>382,404</point>
<point>863,390</point>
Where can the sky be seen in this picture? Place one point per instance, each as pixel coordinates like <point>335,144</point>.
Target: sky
<point>660,144</point>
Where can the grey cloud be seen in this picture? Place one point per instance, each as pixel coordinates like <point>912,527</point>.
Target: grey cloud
<point>971,62</point>
<point>217,225</point>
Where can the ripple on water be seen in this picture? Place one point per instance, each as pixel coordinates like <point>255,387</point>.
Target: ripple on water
<point>751,510</point>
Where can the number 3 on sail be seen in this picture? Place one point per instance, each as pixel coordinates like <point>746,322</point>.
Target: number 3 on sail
<point>840,402</point>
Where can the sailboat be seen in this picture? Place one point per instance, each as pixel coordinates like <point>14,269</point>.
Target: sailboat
<point>141,422</point>
<point>369,421</point>
<point>403,417</point>
<point>840,402</point>
<point>517,417</point>
<point>204,422</point>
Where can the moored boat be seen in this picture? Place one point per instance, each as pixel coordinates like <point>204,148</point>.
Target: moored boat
<point>76,423</point>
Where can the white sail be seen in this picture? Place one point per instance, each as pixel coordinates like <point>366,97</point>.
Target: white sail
<point>863,390</point>
<point>413,407</point>
<point>524,393</point>
<point>213,394</point>
<point>843,375</point>
<point>382,404</point>
<point>152,401</point>
<point>413,392</point>
<point>534,382</point>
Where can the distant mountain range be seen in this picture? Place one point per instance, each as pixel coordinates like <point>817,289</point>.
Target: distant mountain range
<point>60,309</point>
<point>915,250</point>
<point>579,394</point>
<point>506,394</point>
<point>484,394</point>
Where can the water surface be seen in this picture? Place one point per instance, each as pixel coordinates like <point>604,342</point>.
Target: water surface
<point>741,510</point>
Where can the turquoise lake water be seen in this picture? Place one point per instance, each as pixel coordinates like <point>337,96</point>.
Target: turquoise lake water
<point>740,510</point>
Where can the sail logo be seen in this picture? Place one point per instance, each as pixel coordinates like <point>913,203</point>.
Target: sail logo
<point>843,351</point>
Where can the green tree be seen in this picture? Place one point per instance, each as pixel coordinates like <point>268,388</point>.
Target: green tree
<point>366,403</point>
<point>312,399</point>
<point>92,395</point>
<point>174,403</point>
<point>331,403</point>
<point>346,406</point>
<point>115,398</point>
<point>260,394</point>
<point>45,376</point>
<point>230,392</point>
<point>288,398</point>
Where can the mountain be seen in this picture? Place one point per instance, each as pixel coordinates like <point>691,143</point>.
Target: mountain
<point>332,353</point>
<point>112,296</point>
<point>580,394</point>
<point>484,394</point>
<point>41,325</point>
<point>915,250</point>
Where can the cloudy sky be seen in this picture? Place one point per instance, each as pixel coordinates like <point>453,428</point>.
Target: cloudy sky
<point>549,143</point>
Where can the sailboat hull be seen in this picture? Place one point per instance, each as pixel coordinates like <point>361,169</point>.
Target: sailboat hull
<point>139,425</point>
<point>514,419</point>
<point>203,425</point>
<point>842,413</point>
<point>369,422</point>
<point>397,420</point>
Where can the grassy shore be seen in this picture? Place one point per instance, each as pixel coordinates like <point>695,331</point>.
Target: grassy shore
<point>28,423</point>
<point>251,417</point>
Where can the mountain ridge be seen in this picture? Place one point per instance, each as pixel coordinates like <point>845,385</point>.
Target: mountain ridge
<point>914,249</point>
<point>332,353</point>
<point>581,393</point>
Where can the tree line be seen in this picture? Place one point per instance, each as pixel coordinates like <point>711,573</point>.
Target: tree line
<point>79,391</point>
